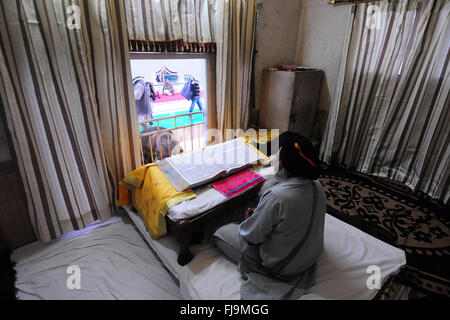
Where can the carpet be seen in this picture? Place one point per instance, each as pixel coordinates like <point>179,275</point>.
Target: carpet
<point>392,213</point>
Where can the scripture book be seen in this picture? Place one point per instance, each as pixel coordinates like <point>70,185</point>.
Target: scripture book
<point>190,170</point>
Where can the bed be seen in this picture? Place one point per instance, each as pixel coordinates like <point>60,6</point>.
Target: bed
<point>342,269</point>
<point>115,263</point>
<point>341,274</point>
<point>109,248</point>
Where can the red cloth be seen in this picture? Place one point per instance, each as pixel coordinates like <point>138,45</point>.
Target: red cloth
<point>237,183</point>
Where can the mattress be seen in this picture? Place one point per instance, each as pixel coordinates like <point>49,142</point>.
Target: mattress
<point>112,259</point>
<point>343,270</point>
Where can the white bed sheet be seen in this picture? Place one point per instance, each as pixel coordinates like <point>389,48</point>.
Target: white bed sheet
<point>114,261</point>
<point>341,274</point>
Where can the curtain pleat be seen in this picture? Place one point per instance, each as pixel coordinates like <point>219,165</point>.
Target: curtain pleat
<point>226,28</point>
<point>390,113</point>
<point>112,71</point>
<point>169,26</point>
<point>234,31</point>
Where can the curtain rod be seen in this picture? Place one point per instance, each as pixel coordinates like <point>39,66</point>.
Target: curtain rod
<point>338,2</point>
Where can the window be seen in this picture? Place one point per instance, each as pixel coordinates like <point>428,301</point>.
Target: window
<point>172,98</point>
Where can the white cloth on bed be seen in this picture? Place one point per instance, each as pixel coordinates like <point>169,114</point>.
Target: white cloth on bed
<point>341,269</point>
<point>206,198</point>
<point>114,261</point>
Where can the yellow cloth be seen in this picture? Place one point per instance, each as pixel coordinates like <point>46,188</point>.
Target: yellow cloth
<point>152,195</point>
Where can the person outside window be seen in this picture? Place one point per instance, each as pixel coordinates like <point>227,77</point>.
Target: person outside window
<point>195,89</point>
<point>143,102</point>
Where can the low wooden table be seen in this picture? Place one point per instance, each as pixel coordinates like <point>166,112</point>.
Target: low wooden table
<point>186,230</point>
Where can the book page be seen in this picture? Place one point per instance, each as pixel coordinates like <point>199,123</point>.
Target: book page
<point>200,166</point>
<point>196,167</point>
<point>232,154</point>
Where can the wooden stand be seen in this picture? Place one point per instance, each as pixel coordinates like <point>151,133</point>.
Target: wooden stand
<point>186,229</point>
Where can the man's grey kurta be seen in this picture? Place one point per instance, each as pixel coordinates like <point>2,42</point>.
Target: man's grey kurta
<point>278,224</point>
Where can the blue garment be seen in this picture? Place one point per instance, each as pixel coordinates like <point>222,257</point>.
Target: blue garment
<point>196,100</point>
<point>195,88</point>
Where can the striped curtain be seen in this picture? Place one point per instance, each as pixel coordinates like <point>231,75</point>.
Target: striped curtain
<point>67,111</point>
<point>169,25</point>
<point>106,30</point>
<point>390,115</point>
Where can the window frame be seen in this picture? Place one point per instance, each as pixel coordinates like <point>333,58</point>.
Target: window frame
<point>210,75</point>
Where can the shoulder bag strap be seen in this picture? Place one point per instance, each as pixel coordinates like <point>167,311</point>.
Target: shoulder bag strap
<point>283,263</point>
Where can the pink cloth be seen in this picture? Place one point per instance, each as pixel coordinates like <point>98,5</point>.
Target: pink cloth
<point>237,183</point>
<point>172,98</point>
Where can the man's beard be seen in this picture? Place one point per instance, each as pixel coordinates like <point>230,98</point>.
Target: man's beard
<point>281,176</point>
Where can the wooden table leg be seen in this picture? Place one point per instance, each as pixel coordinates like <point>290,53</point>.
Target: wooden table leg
<point>183,237</point>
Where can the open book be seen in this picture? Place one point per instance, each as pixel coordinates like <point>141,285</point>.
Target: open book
<point>198,167</point>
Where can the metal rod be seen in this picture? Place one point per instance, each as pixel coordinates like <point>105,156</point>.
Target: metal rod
<point>151,148</point>
<point>160,144</point>
<point>184,139</point>
<point>142,151</point>
<point>192,137</point>
<point>169,117</point>
<point>166,130</point>
<point>339,2</point>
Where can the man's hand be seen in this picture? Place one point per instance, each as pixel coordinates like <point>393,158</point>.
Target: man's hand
<point>248,213</point>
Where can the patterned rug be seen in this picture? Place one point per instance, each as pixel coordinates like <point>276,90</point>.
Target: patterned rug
<point>393,214</point>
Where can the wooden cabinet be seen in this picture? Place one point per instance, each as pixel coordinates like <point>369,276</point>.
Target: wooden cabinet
<point>15,225</point>
<point>289,100</point>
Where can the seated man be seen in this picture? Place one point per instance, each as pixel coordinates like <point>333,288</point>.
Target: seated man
<point>282,238</point>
